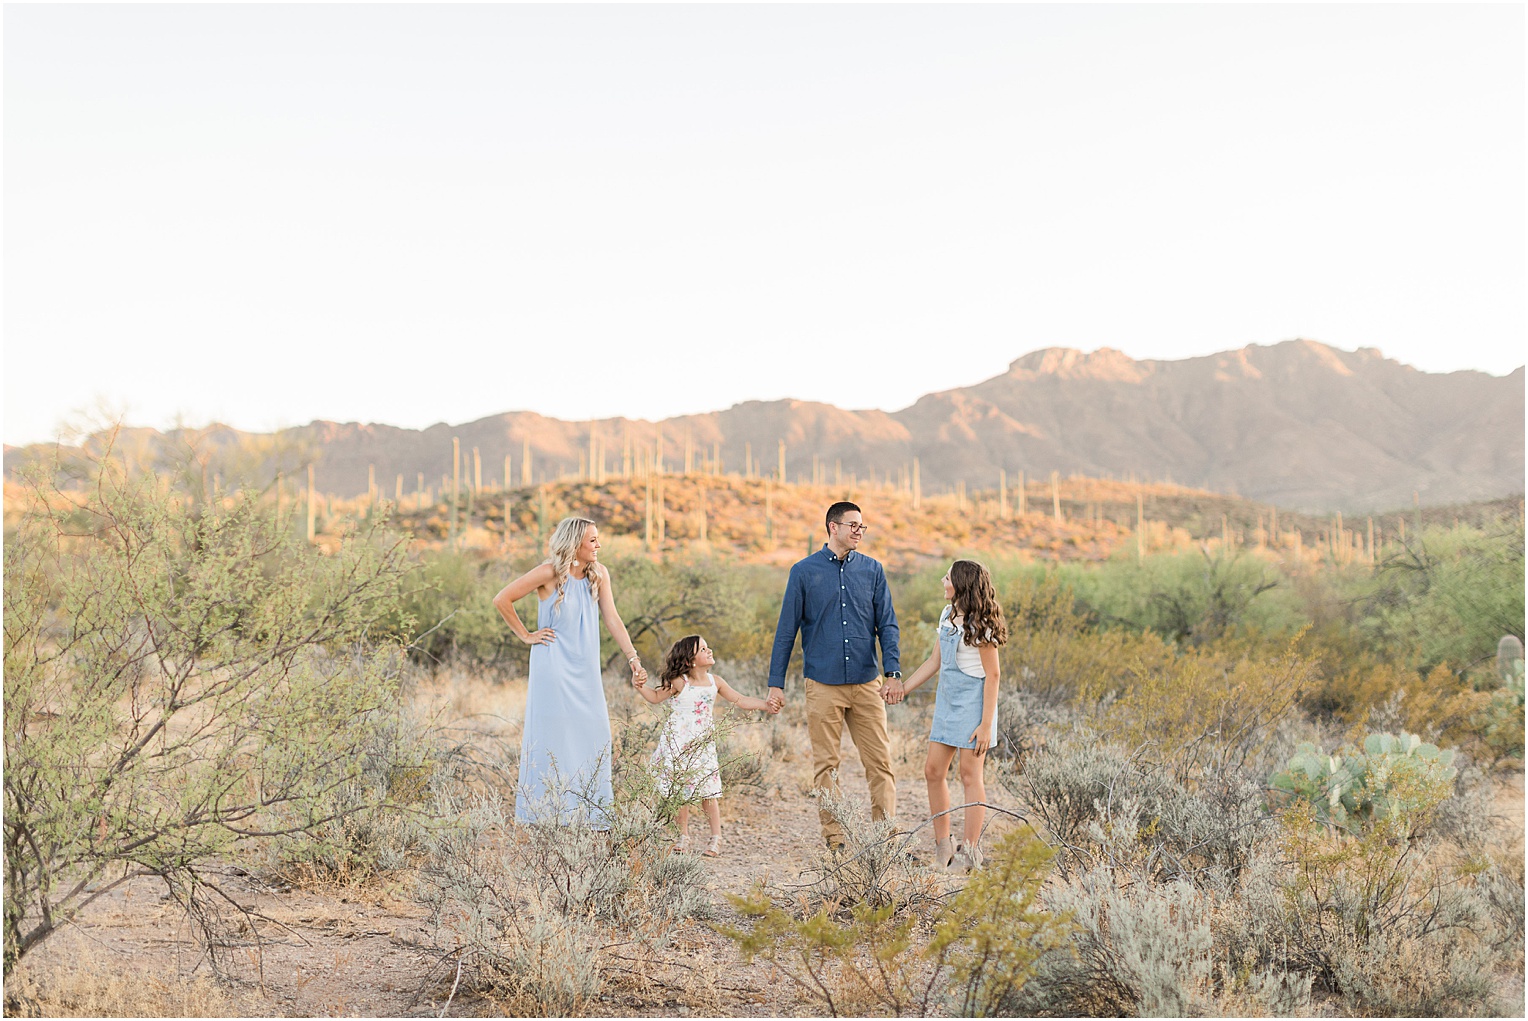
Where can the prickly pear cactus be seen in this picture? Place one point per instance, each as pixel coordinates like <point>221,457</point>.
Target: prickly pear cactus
<point>1391,776</point>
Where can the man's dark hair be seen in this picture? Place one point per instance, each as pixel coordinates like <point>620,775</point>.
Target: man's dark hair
<point>839,509</point>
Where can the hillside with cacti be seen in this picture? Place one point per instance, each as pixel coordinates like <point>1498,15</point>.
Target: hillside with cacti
<point>760,521</point>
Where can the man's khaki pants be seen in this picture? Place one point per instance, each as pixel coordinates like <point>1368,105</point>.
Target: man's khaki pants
<point>828,708</point>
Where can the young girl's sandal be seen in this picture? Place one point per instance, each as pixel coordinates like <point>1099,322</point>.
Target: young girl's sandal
<point>681,845</point>
<point>713,848</point>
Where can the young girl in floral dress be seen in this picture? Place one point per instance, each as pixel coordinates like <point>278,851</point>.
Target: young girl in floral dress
<point>686,755</point>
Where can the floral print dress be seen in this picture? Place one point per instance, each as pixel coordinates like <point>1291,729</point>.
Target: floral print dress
<point>686,755</point>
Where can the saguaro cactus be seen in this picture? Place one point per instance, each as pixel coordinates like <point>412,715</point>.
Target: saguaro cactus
<point>647,514</point>
<point>1509,657</point>
<point>1140,527</point>
<point>311,511</point>
<point>456,482</point>
<point>659,512</point>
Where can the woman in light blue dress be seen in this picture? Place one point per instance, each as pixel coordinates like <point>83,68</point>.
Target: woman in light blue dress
<point>565,746</point>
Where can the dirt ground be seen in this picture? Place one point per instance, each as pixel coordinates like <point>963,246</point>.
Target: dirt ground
<point>373,951</point>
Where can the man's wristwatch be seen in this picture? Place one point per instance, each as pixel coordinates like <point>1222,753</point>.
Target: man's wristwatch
<point>893,675</point>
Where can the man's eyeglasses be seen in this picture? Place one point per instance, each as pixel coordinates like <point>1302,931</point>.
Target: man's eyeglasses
<point>858,528</point>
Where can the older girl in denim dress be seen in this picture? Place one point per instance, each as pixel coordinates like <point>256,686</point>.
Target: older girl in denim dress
<point>965,705</point>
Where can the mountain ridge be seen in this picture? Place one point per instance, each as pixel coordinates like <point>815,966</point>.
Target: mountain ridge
<point>1297,424</point>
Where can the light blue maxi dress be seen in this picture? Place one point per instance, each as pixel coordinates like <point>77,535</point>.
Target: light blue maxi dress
<point>565,747</point>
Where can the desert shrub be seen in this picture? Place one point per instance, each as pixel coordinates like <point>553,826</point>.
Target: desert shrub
<point>993,933</point>
<point>873,868</point>
<point>1143,951</point>
<point>381,818</point>
<point>1192,597</point>
<point>184,679</point>
<point>1441,705</point>
<point>1025,721</point>
<point>1449,594</point>
<point>1384,921</point>
<point>1054,651</point>
<point>535,911</point>
<point>1500,723</point>
<point>1385,904</point>
<point>984,946</point>
<point>1104,807</point>
<point>1207,710</point>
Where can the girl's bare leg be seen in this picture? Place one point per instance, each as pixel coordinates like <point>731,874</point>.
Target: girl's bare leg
<point>935,770</point>
<point>975,790</point>
<point>713,807</point>
<point>683,818</point>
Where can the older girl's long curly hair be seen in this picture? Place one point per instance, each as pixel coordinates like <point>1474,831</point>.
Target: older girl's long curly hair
<point>680,661</point>
<point>562,551</point>
<point>976,601</point>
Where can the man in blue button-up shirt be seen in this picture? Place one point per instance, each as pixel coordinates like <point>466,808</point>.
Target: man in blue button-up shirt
<point>838,600</point>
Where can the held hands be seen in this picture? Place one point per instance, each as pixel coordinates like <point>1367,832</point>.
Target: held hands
<point>638,672</point>
<point>893,692</point>
<point>758,704</point>
<point>776,700</point>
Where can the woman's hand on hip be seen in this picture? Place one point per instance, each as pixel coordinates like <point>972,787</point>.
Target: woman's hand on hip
<point>545,636</point>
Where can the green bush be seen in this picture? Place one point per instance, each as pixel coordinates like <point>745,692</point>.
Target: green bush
<point>184,680</point>
<point>1446,596</point>
<point>1191,597</point>
<point>985,944</point>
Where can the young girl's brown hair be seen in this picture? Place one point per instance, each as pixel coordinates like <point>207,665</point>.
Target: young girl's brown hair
<point>976,601</point>
<point>681,659</point>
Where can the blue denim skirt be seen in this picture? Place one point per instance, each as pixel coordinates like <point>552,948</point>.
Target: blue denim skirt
<point>958,699</point>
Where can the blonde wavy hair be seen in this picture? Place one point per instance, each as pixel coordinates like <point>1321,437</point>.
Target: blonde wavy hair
<point>562,550</point>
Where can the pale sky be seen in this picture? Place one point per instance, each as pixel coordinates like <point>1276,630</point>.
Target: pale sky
<point>265,215</point>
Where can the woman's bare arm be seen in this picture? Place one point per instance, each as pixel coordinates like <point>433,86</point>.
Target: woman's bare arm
<point>982,738</point>
<point>537,578</point>
<point>615,625</point>
<point>929,668</point>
